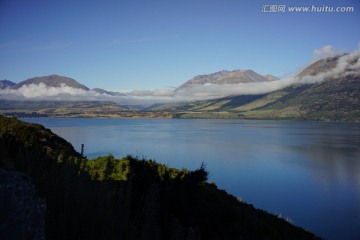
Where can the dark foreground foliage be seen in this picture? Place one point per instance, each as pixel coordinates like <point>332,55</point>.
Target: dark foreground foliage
<point>108,198</point>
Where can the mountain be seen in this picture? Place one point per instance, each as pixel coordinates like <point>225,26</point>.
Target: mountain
<point>112,93</point>
<point>6,84</point>
<point>128,198</point>
<point>333,97</point>
<point>101,91</point>
<point>322,65</point>
<point>270,77</point>
<point>227,77</point>
<point>327,90</point>
<point>52,81</point>
<point>337,97</point>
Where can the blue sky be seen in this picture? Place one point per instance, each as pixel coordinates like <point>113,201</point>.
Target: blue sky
<point>125,45</point>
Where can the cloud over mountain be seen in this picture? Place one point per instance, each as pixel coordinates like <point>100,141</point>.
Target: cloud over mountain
<point>315,73</point>
<point>210,86</point>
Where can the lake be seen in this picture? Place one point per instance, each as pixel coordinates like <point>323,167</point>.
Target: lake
<point>308,172</point>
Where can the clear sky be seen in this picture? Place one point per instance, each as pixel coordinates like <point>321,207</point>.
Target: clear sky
<point>136,44</point>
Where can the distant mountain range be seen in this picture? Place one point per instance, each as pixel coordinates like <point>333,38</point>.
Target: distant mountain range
<point>218,78</point>
<point>337,97</point>
<point>325,90</point>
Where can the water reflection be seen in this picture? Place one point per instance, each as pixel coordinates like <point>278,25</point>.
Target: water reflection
<point>332,156</point>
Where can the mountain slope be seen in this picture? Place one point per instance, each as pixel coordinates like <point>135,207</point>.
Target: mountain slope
<point>52,81</point>
<point>101,91</point>
<point>6,84</point>
<point>332,94</point>
<point>227,77</point>
<point>336,97</point>
<point>322,65</point>
<point>108,198</point>
<point>271,77</point>
<point>333,99</point>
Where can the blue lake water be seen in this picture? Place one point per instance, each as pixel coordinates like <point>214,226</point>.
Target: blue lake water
<point>309,172</point>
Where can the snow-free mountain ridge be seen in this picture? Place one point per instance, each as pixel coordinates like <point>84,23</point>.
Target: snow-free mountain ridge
<point>6,84</point>
<point>227,77</point>
<point>52,81</point>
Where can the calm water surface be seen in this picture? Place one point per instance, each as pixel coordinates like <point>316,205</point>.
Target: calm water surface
<point>309,172</point>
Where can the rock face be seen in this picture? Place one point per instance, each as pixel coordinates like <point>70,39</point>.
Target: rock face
<point>21,210</point>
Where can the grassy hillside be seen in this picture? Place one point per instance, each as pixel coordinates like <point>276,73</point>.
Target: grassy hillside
<point>335,96</point>
<point>59,108</point>
<point>129,198</point>
<point>335,99</point>
<point>75,109</point>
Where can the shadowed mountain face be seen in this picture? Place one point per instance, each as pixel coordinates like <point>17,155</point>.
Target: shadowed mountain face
<point>52,81</point>
<point>6,84</point>
<point>227,77</point>
<point>335,97</point>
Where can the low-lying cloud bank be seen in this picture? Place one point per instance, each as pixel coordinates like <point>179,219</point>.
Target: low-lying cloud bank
<point>42,92</point>
<point>346,64</point>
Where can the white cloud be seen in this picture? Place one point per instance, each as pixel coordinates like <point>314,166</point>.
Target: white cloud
<point>326,51</point>
<point>211,91</point>
<point>156,92</point>
<point>41,90</point>
<point>349,62</point>
<point>346,64</point>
